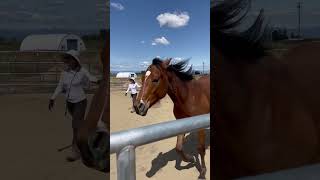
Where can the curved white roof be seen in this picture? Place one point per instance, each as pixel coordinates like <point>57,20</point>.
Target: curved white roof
<point>125,74</point>
<point>46,42</point>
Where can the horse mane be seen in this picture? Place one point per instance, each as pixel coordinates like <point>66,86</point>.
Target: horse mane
<point>180,68</point>
<point>248,44</point>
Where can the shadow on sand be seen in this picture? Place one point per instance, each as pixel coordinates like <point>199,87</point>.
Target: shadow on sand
<point>190,147</point>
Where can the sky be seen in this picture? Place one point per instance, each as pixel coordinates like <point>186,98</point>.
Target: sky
<point>284,13</point>
<point>142,30</point>
<point>53,14</point>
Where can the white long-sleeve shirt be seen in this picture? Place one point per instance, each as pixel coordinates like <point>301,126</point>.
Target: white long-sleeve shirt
<point>133,88</point>
<point>72,84</point>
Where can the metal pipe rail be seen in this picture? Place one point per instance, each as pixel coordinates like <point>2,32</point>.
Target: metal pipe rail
<point>304,172</point>
<point>123,143</point>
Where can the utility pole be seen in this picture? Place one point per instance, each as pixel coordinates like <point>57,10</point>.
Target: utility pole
<point>202,67</point>
<point>299,18</point>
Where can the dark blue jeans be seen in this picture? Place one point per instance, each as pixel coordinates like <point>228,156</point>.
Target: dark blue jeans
<point>77,111</point>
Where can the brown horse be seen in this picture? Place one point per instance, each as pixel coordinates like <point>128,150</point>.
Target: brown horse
<point>93,136</point>
<point>190,97</point>
<point>266,109</point>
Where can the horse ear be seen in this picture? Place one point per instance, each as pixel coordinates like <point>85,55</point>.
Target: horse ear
<point>166,63</point>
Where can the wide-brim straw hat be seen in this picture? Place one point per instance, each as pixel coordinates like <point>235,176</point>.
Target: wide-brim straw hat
<point>74,54</point>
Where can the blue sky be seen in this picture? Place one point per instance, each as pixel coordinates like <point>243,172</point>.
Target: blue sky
<point>142,30</point>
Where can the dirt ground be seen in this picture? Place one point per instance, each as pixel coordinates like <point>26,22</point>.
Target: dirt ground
<point>154,161</point>
<point>30,137</point>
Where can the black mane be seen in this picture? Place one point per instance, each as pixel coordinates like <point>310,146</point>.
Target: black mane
<point>225,18</point>
<point>179,68</point>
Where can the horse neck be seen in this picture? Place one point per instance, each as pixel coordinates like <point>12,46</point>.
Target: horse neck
<point>178,89</point>
<point>97,110</point>
<point>241,94</point>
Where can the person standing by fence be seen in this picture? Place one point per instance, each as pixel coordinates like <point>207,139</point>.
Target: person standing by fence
<point>133,88</point>
<point>72,82</point>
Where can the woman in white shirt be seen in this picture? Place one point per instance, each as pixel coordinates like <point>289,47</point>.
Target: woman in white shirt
<point>72,82</point>
<point>133,88</point>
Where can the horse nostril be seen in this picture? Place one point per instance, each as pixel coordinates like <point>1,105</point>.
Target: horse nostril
<point>141,106</point>
<point>97,140</point>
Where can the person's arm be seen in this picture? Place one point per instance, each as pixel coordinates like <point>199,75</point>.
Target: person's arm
<point>57,91</point>
<point>90,76</point>
<point>59,88</point>
<point>138,85</point>
<point>127,90</point>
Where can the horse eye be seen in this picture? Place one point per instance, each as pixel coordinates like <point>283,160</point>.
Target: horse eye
<point>155,80</point>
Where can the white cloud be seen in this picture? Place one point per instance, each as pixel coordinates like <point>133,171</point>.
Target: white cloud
<point>117,6</point>
<point>142,42</point>
<point>173,20</point>
<point>162,41</point>
<point>145,64</point>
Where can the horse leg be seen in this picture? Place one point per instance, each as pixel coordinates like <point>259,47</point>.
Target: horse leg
<point>185,157</point>
<point>202,152</point>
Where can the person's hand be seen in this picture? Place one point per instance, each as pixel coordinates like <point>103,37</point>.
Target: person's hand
<point>51,104</point>
<point>125,94</point>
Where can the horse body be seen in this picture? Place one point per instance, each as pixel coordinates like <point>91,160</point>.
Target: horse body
<point>180,94</point>
<point>263,123</point>
<point>191,97</point>
<point>93,136</point>
<point>266,109</point>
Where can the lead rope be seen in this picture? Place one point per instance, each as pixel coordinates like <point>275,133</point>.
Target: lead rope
<point>66,106</point>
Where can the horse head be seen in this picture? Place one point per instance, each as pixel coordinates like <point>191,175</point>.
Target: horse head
<point>154,86</point>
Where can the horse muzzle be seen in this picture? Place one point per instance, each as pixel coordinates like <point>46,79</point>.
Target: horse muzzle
<point>141,109</point>
<point>95,153</point>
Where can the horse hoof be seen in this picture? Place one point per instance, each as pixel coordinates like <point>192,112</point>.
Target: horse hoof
<point>202,175</point>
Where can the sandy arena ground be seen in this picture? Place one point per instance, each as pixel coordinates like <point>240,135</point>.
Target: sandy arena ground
<point>154,161</point>
<point>30,137</point>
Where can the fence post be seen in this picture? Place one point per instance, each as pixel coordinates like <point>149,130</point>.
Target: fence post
<point>126,163</point>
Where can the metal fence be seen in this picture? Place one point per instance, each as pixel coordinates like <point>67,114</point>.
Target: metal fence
<point>123,143</point>
<point>35,76</point>
<point>309,172</point>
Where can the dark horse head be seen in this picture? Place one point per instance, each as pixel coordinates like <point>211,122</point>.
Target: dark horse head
<point>93,136</point>
<point>156,82</point>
